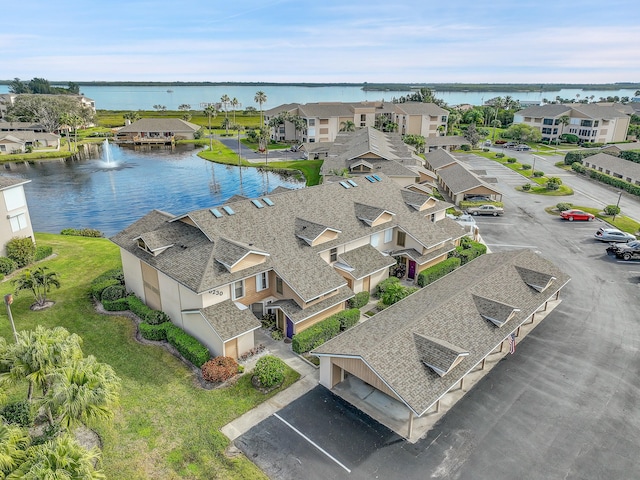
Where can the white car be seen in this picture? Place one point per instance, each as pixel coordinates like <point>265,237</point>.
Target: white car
<point>613,235</point>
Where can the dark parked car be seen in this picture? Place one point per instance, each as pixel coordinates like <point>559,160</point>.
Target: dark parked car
<point>625,251</point>
<point>477,198</point>
<point>522,148</point>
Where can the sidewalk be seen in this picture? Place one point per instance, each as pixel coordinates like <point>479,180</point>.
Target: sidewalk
<point>309,377</point>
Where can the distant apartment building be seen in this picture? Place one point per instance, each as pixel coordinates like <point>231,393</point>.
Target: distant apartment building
<point>14,213</point>
<point>322,121</point>
<point>591,123</point>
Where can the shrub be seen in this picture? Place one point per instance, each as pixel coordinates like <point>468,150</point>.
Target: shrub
<point>348,318</point>
<point>219,369</point>
<point>526,187</point>
<point>42,252</point>
<point>485,149</point>
<point>384,285</point>
<point>98,288</point>
<point>21,250</point>
<point>525,166</point>
<point>465,148</point>
<point>563,206</point>
<point>119,305</point>
<point>269,371</point>
<point>395,293</point>
<point>113,292</point>
<point>189,347</point>
<point>611,210</point>
<point>315,335</point>
<point>138,307</point>
<point>277,335</point>
<point>512,160</point>
<point>359,301</point>
<point>433,273</point>
<point>153,332</point>
<point>577,167</point>
<point>18,413</point>
<point>569,138</point>
<point>552,186</point>
<point>7,265</point>
<point>156,317</point>
<point>499,155</point>
<point>538,173</point>
<point>268,320</point>
<point>468,250</point>
<point>82,232</point>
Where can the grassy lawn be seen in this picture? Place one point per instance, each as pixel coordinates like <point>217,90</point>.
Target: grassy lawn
<point>115,118</point>
<point>621,222</point>
<point>166,426</point>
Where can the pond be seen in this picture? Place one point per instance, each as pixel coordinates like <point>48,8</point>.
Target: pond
<point>109,194</point>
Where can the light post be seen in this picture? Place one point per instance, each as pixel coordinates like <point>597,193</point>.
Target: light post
<point>617,206</point>
<point>533,169</point>
<point>8,300</point>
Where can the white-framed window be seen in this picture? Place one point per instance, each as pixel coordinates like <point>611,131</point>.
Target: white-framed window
<point>18,222</point>
<point>262,281</point>
<point>237,290</point>
<point>388,235</point>
<point>375,239</point>
<point>333,255</point>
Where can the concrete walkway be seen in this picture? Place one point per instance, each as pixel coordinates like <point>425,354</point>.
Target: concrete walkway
<point>309,377</point>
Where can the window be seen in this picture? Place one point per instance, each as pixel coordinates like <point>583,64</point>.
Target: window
<point>546,130</point>
<point>388,235</point>
<point>333,254</point>
<point>444,119</point>
<point>375,239</point>
<point>547,121</point>
<point>401,238</point>
<point>18,222</point>
<point>595,123</point>
<point>14,198</point>
<point>279,288</point>
<point>312,122</point>
<point>262,281</point>
<point>238,290</point>
<point>363,117</point>
<point>586,123</point>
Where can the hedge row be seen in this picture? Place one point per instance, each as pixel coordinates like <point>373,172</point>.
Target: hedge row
<point>146,314</point>
<point>615,182</point>
<point>631,156</point>
<point>431,274</point>
<point>360,300</point>
<point>316,335</point>
<point>82,232</point>
<point>188,346</point>
<point>469,250</point>
<point>348,318</point>
<point>153,332</point>
<point>571,157</point>
<point>42,252</point>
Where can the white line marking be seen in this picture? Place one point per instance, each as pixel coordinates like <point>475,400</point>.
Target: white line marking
<point>310,441</point>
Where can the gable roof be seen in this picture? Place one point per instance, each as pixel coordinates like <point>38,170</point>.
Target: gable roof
<point>160,125</point>
<point>446,320</point>
<point>198,235</point>
<point>420,108</point>
<point>548,110</point>
<point>7,182</point>
<point>458,179</point>
<point>439,158</point>
<point>363,261</point>
<point>228,320</point>
<point>623,167</point>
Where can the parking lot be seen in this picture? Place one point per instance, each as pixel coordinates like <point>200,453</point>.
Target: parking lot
<point>565,405</point>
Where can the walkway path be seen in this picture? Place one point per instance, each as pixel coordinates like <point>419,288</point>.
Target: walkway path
<point>309,377</point>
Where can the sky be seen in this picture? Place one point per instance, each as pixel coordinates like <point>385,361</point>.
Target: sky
<point>323,41</point>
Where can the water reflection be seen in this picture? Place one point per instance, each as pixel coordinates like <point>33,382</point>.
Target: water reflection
<point>87,193</point>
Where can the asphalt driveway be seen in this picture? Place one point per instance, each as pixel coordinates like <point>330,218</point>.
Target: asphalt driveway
<point>565,406</point>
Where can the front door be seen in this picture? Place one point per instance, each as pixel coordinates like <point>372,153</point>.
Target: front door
<point>289,328</point>
<point>412,270</point>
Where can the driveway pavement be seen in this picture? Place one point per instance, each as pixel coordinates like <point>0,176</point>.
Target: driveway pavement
<point>564,406</point>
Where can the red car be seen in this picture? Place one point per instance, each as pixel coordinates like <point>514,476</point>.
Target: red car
<point>573,214</point>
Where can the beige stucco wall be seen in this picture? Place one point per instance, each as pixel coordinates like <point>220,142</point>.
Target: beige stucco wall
<point>132,273</point>
<point>246,342</point>
<point>6,232</point>
<point>196,326</point>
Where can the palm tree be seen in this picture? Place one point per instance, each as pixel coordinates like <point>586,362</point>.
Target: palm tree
<point>37,353</point>
<point>131,116</point>
<point>234,104</point>
<point>83,391</point>
<point>454,120</point>
<point>13,445</point>
<point>495,124</point>
<point>260,99</point>
<point>38,281</point>
<point>60,458</point>
<point>225,100</point>
<point>348,126</point>
<point>298,124</point>
<point>564,121</point>
<point>210,111</point>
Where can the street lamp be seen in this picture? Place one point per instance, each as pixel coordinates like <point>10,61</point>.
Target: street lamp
<point>8,300</point>
<point>617,206</point>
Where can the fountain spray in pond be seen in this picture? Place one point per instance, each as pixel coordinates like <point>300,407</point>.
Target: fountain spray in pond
<point>106,152</point>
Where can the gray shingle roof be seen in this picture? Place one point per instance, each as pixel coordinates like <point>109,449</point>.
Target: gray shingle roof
<point>548,110</point>
<point>228,320</point>
<point>419,108</point>
<point>445,141</point>
<point>192,261</point>
<point>439,158</point>
<point>7,182</point>
<point>363,261</point>
<point>297,314</point>
<point>446,311</point>
<point>437,354</point>
<point>459,179</point>
<point>623,167</point>
<point>160,125</point>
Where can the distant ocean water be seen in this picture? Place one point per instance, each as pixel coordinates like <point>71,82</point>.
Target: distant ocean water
<point>145,97</point>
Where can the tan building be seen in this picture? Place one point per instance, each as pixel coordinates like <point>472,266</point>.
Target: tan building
<point>422,350</point>
<point>14,212</point>
<point>589,122</point>
<point>616,167</point>
<point>156,130</point>
<point>299,254</point>
<point>323,121</point>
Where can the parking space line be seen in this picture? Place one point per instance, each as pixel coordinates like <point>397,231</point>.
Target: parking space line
<point>311,441</point>
<point>506,245</point>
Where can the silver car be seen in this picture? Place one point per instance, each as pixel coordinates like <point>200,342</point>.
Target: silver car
<point>613,235</point>
<point>485,210</point>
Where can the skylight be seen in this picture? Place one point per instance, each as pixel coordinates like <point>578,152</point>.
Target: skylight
<point>345,184</point>
<point>352,183</point>
<point>257,203</point>
<point>378,179</point>
<point>370,178</point>
<point>229,210</point>
<point>216,213</point>
<point>268,201</point>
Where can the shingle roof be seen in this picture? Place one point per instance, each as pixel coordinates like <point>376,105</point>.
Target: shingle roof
<point>459,179</point>
<point>363,261</point>
<point>192,261</point>
<point>444,141</point>
<point>419,108</point>
<point>622,147</point>
<point>548,110</point>
<point>228,320</point>
<point>438,158</point>
<point>623,167</point>
<point>298,314</point>
<point>8,182</point>
<point>160,125</point>
<point>445,311</point>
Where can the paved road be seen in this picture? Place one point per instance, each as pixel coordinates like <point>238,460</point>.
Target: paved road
<point>565,406</point>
